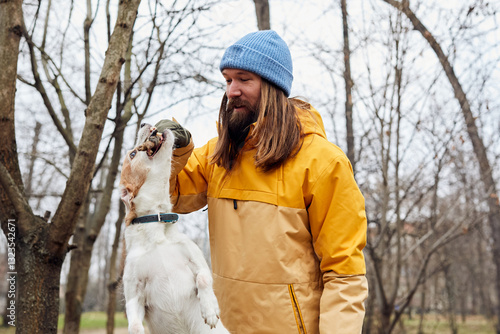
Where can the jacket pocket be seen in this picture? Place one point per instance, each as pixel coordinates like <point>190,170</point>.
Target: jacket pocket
<point>296,310</point>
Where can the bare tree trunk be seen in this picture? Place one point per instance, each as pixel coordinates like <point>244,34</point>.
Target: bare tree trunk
<point>11,22</point>
<point>87,24</point>
<point>113,281</point>
<point>38,275</point>
<point>74,296</point>
<point>463,304</point>
<point>485,298</point>
<point>423,288</point>
<point>87,234</point>
<point>450,293</point>
<point>479,147</point>
<point>263,17</point>
<point>348,86</point>
<point>41,247</point>
<point>34,149</point>
<point>80,260</point>
<point>370,306</point>
<point>388,292</point>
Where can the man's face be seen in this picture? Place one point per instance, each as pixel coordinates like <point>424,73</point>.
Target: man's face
<point>243,93</point>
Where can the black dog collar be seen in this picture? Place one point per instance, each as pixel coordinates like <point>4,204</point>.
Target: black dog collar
<point>161,217</point>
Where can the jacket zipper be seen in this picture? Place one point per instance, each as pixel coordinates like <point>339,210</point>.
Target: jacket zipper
<point>296,310</point>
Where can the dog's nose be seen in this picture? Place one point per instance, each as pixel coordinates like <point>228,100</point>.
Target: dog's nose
<point>154,132</point>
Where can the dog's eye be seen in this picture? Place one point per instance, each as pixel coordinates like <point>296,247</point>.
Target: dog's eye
<point>132,154</point>
<point>142,125</point>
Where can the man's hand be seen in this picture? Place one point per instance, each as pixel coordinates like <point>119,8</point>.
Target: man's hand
<point>182,136</point>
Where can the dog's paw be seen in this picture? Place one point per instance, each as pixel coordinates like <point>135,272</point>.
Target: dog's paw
<point>210,313</point>
<point>211,320</point>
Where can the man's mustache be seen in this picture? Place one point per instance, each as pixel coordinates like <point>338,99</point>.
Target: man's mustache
<point>238,102</point>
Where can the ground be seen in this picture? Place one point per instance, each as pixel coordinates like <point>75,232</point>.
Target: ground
<point>103,331</point>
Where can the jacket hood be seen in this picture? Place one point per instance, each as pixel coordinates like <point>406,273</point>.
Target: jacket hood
<point>309,117</point>
<point>311,121</point>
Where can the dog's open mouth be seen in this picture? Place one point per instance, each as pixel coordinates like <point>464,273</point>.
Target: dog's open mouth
<point>152,144</point>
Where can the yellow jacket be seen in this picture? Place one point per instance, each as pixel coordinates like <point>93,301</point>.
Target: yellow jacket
<point>286,245</point>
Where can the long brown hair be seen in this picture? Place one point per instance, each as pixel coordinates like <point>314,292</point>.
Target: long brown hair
<point>277,135</point>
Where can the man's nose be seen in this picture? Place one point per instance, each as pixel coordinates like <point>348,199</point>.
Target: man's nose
<point>233,90</point>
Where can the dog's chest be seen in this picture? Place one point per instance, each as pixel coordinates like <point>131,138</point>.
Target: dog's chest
<point>160,267</point>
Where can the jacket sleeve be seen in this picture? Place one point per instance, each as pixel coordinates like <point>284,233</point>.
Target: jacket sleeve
<point>188,188</point>
<point>338,226</point>
<point>180,158</point>
<point>342,307</point>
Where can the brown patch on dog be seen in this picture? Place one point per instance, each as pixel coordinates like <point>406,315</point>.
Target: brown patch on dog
<point>131,182</point>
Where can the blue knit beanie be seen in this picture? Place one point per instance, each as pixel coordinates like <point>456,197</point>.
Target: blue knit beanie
<point>263,53</point>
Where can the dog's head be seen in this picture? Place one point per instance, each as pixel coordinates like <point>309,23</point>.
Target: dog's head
<point>148,162</point>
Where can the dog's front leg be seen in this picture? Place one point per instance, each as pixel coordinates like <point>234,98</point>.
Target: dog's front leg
<point>203,277</point>
<point>135,316</point>
<point>135,303</point>
<point>208,302</point>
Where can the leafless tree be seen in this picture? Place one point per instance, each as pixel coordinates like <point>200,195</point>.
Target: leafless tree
<point>486,172</point>
<point>11,21</point>
<point>114,279</point>
<point>408,143</point>
<point>167,32</point>
<point>41,246</point>
<point>348,86</point>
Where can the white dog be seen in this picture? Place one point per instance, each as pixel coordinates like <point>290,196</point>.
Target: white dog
<point>166,279</point>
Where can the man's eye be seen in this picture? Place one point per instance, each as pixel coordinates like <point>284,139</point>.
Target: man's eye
<point>132,154</point>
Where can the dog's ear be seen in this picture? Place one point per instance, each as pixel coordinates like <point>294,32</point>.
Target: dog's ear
<point>127,196</point>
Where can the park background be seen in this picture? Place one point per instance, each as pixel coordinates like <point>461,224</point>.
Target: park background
<point>410,90</point>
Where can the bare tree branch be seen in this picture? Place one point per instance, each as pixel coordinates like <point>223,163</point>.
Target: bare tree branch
<point>15,195</point>
<point>81,174</point>
<point>41,89</point>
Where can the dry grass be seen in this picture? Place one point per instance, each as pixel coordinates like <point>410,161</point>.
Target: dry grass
<point>435,324</point>
<point>95,323</point>
<point>92,322</point>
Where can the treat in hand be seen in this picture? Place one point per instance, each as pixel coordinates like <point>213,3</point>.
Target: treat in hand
<point>152,144</point>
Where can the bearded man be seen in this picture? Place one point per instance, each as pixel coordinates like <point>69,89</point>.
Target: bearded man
<point>287,220</point>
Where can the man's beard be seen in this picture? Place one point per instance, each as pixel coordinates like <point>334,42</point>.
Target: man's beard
<point>239,122</point>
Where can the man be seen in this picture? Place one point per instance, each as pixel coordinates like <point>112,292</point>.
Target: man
<point>286,218</point>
